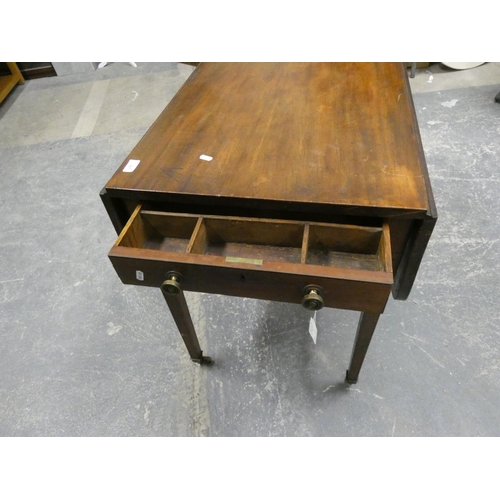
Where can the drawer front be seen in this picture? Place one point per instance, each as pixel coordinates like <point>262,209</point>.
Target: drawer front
<point>257,258</point>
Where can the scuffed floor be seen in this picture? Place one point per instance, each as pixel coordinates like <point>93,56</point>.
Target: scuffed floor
<point>83,355</point>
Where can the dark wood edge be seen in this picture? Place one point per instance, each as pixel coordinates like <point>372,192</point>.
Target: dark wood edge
<point>422,229</point>
<point>42,72</point>
<point>117,211</point>
<point>412,257</point>
<point>432,212</point>
<point>248,204</point>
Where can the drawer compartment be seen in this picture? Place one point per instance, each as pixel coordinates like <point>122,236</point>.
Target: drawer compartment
<point>344,246</point>
<point>154,231</point>
<point>249,239</point>
<point>257,258</point>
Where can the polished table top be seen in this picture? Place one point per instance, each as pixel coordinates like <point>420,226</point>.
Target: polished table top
<point>339,136</point>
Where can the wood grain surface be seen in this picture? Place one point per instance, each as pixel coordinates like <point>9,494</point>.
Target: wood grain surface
<point>340,134</point>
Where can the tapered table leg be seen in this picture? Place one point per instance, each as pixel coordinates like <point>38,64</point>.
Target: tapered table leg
<point>177,304</point>
<point>366,327</point>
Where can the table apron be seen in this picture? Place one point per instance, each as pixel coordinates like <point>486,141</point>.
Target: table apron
<point>246,281</point>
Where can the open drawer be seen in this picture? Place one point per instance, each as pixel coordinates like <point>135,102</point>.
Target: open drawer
<point>257,258</point>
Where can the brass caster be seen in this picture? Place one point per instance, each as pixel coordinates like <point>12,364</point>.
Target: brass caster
<point>313,300</point>
<point>204,360</point>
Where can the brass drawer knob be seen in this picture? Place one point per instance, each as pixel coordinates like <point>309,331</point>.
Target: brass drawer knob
<point>171,285</point>
<point>313,300</point>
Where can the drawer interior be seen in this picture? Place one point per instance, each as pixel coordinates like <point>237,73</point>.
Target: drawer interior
<point>158,231</point>
<point>257,240</point>
<point>168,233</point>
<point>344,246</point>
<point>249,239</point>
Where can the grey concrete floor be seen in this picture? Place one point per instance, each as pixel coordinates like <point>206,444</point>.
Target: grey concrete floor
<point>83,355</point>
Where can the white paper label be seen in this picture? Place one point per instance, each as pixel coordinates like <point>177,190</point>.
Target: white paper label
<point>131,165</point>
<point>313,329</point>
<point>206,158</point>
<point>139,275</point>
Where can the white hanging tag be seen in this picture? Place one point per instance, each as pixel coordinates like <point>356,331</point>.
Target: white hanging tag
<point>313,329</point>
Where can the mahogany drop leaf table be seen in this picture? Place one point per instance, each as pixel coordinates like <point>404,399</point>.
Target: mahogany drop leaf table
<point>295,182</point>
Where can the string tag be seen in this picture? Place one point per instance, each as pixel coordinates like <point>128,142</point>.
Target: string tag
<point>313,329</point>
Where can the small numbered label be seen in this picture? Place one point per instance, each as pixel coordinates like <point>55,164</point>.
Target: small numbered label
<point>131,165</point>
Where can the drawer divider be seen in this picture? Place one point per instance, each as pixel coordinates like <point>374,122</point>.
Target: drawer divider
<point>385,248</point>
<point>198,241</point>
<point>305,244</point>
